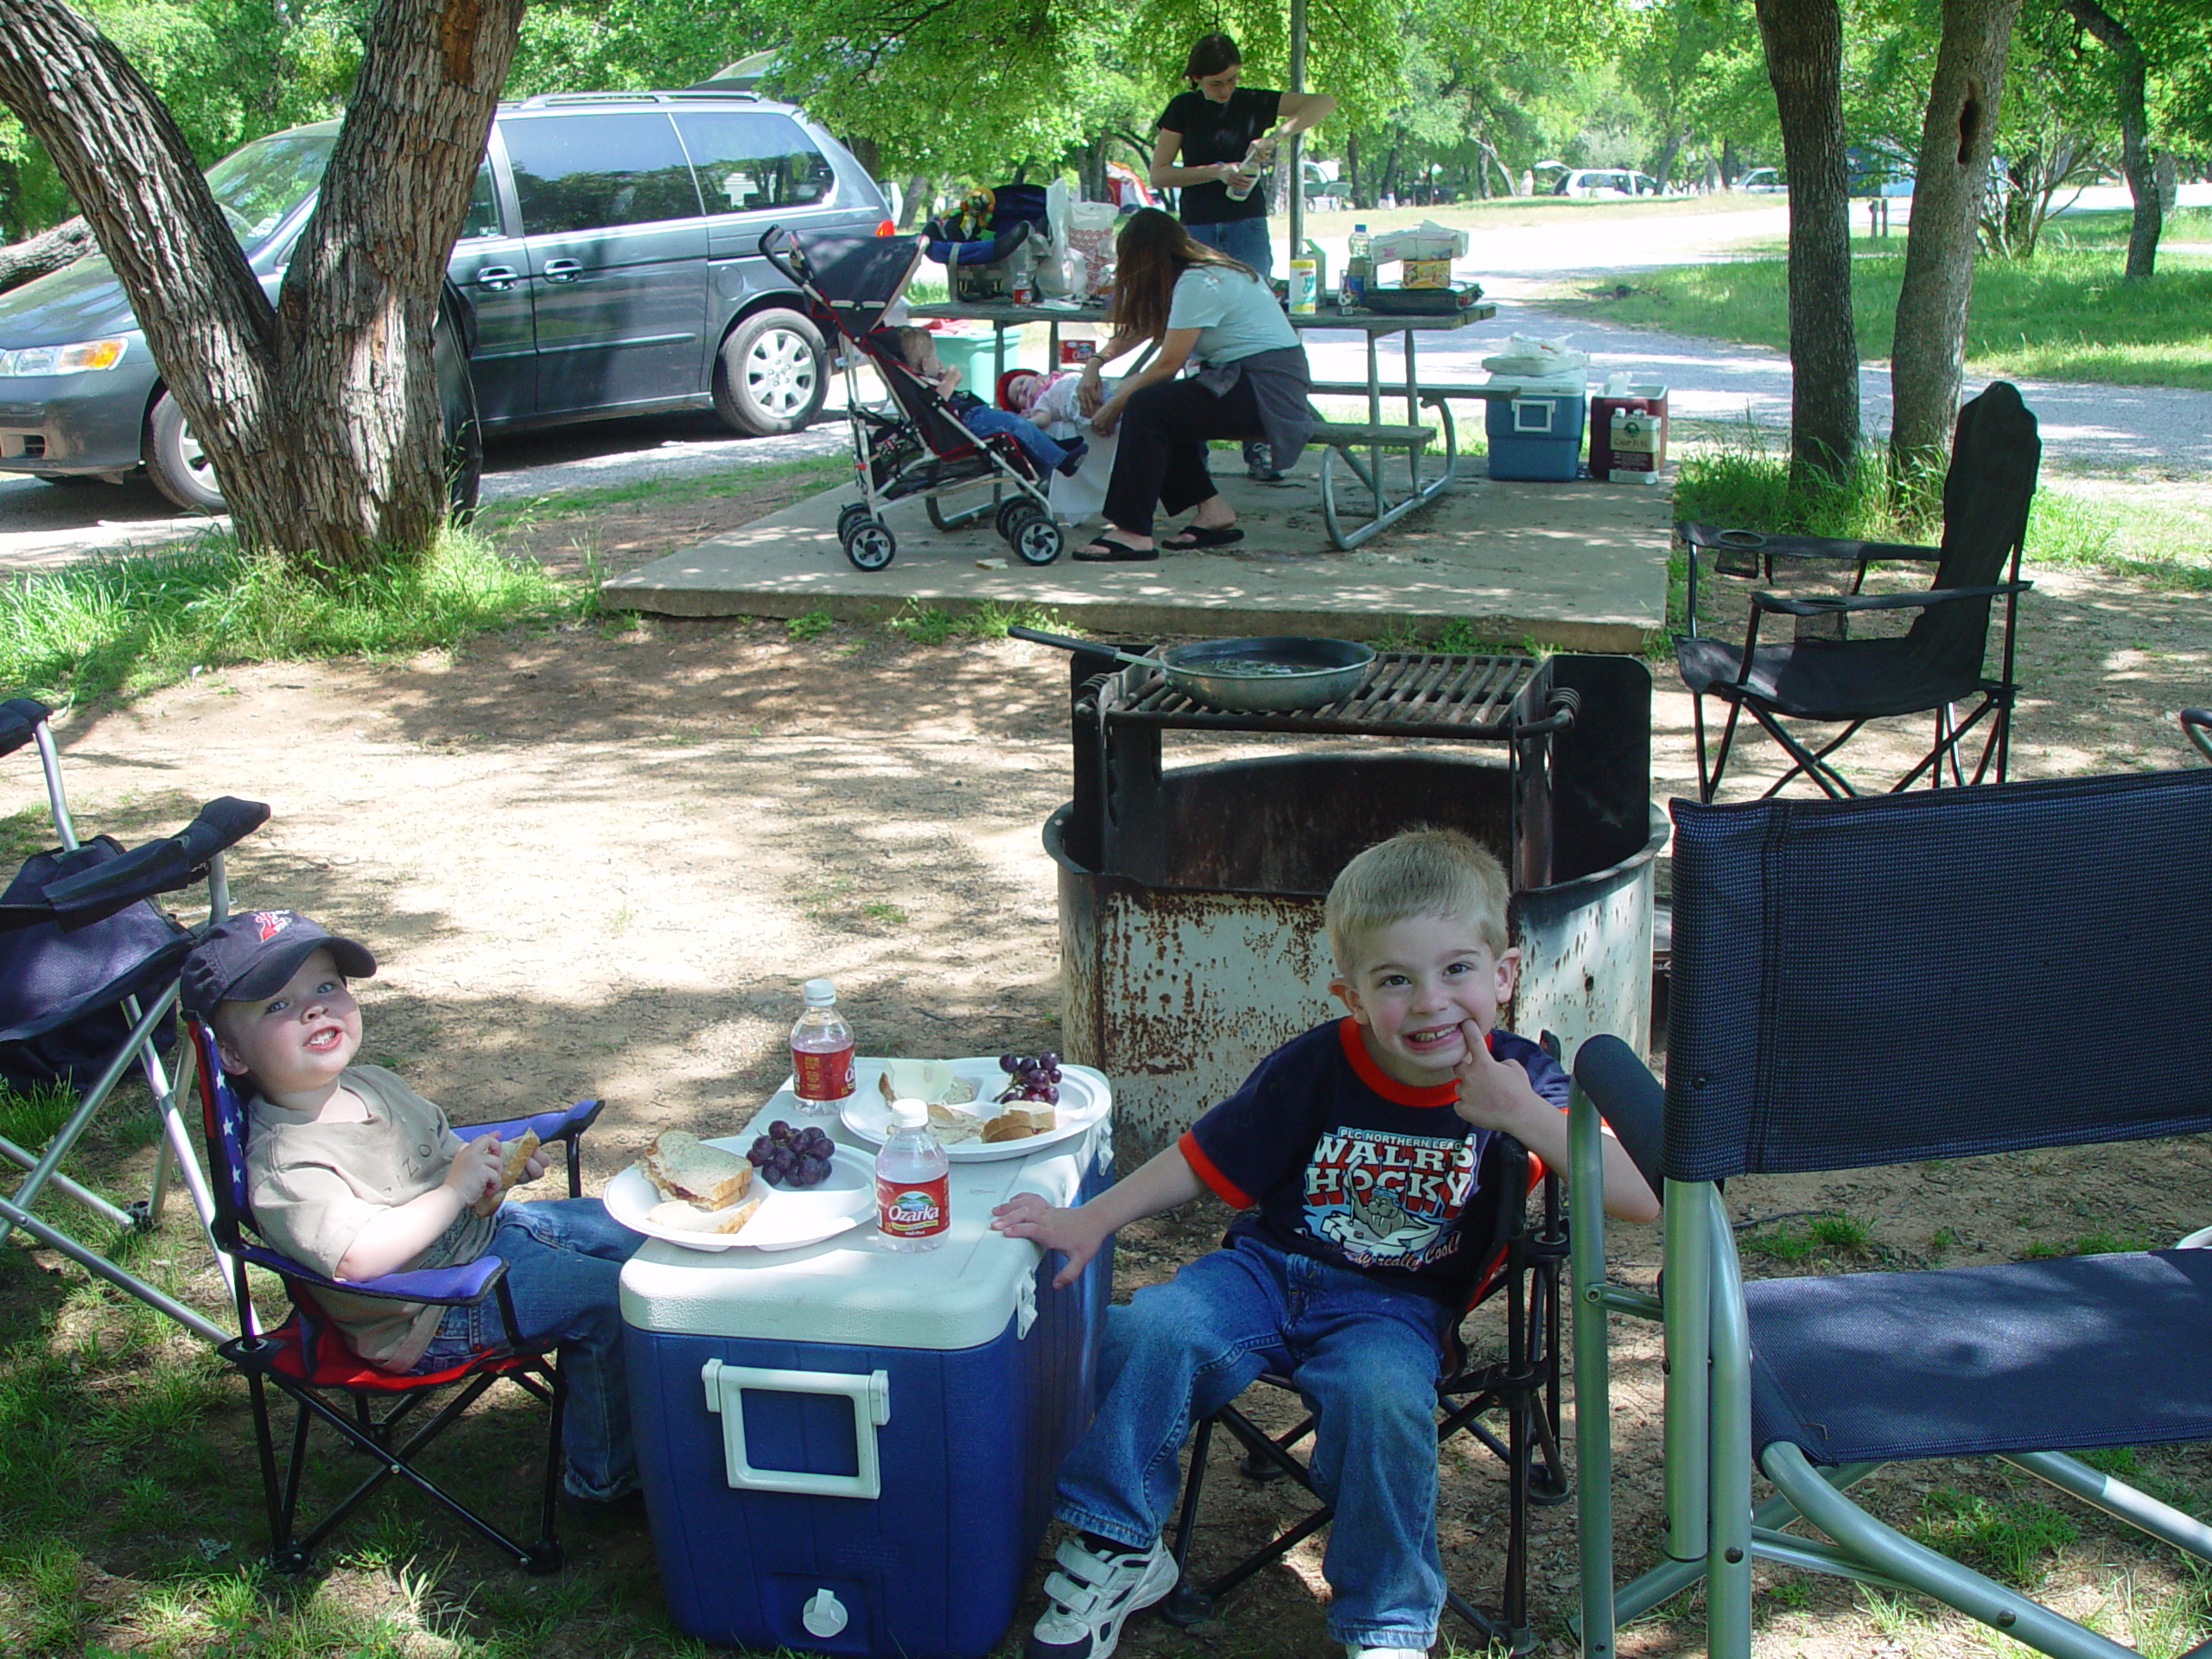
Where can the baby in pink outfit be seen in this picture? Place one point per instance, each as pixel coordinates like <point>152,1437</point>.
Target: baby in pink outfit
<point>1049,400</point>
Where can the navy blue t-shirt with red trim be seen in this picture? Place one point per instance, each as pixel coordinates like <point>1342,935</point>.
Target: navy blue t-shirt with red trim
<point>1330,1156</point>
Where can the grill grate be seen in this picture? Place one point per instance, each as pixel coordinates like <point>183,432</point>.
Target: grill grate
<point>1405,693</point>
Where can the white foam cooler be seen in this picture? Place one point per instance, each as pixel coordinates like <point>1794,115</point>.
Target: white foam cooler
<point>848,1450</point>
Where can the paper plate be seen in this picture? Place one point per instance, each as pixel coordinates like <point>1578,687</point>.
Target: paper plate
<point>1084,1099</point>
<point>791,1217</point>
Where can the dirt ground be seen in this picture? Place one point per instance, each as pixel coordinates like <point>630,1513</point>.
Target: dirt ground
<point>600,860</point>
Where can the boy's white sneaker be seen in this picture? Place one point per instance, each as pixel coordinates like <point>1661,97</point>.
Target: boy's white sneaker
<point>1353,1651</point>
<point>1093,1592</point>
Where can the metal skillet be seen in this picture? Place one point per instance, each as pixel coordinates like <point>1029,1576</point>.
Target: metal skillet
<point>1265,674</point>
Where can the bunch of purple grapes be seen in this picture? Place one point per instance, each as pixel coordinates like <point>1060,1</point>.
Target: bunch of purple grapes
<point>789,1157</point>
<point>1037,1080</point>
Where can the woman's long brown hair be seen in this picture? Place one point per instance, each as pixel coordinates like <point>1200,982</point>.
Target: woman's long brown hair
<point>1152,251</point>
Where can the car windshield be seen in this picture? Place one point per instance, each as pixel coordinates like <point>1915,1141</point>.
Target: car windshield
<point>257,186</point>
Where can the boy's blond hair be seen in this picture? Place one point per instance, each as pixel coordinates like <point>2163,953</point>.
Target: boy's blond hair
<point>916,345</point>
<point>1419,872</point>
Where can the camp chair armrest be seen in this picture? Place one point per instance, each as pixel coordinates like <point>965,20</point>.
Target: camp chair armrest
<point>1831,604</point>
<point>1765,545</point>
<point>556,1124</point>
<point>463,1286</point>
<point>157,867</point>
<point>19,717</point>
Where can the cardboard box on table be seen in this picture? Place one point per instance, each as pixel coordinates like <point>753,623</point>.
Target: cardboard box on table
<point>1628,434</point>
<point>1537,435</point>
<point>847,1450</point>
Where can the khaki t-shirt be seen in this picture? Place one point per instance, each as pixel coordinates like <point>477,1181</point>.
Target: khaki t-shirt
<point>315,1185</point>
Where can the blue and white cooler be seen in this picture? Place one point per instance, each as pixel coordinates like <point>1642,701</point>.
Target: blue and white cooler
<point>1537,435</point>
<point>849,1449</point>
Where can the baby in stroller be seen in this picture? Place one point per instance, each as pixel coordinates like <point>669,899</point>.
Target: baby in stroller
<point>918,348</point>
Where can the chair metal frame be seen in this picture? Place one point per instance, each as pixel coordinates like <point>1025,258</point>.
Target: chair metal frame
<point>1524,1386</point>
<point>305,1343</point>
<point>1712,1530</point>
<point>193,855</point>
<point>1970,519</point>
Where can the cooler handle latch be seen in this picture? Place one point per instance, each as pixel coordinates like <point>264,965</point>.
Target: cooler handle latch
<point>870,1395</point>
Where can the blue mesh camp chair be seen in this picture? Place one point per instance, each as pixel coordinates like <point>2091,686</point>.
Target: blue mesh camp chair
<point>88,967</point>
<point>373,1411</point>
<point>1861,983</point>
<point>1824,675</point>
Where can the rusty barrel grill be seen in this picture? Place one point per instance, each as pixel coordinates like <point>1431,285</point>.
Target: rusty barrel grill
<point>1190,896</point>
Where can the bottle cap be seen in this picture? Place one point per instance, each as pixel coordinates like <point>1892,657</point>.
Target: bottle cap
<point>819,991</point>
<point>909,1114</point>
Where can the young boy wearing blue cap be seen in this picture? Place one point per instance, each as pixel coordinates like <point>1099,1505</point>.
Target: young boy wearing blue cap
<point>352,1173</point>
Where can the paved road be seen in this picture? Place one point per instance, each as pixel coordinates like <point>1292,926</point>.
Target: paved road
<point>2093,428</point>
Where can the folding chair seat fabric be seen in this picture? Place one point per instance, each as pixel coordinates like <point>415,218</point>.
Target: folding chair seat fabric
<point>1869,982</point>
<point>1822,674</point>
<point>372,1410</point>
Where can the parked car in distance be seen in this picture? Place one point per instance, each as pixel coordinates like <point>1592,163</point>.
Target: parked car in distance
<point>1762,182</point>
<point>1598,181</point>
<point>609,264</point>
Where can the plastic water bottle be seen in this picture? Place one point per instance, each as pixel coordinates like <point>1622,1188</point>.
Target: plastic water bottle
<point>822,1050</point>
<point>912,1206</point>
<point>1359,267</point>
<point>1248,170</point>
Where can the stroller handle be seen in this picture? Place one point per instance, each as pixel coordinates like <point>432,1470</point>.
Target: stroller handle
<point>795,268</point>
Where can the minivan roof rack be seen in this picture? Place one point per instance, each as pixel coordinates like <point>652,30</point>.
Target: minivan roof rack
<point>555,100</point>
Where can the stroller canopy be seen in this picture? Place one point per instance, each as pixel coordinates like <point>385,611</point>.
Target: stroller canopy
<point>854,278</point>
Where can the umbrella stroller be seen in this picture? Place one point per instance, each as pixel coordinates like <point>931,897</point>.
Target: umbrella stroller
<point>917,445</point>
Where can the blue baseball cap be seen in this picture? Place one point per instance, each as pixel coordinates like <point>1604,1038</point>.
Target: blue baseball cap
<point>252,955</point>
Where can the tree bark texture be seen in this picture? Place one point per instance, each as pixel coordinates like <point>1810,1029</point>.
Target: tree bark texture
<point>1927,353</point>
<point>47,252</point>
<point>319,414</point>
<point>2136,159</point>
<point>1804,60</point>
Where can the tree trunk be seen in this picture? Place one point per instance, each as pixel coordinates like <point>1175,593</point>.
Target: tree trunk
<point>1804,60</point>
<point>2136,160</point>
<point>320,414</point>
<point>1928,358</point>
<point>48,250</point>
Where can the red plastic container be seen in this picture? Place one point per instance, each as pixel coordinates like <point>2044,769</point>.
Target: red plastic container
<point>1643,449</point>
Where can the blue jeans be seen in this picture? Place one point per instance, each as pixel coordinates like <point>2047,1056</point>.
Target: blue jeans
<point>564,1261</point>
<point>1366,1358</point>
<point>1048,453</point>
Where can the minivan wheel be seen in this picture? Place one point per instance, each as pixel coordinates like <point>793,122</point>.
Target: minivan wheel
<point>771,376</point>
<point>175,462</point>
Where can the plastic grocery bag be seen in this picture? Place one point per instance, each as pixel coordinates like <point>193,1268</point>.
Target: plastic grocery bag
<point>1528,355</point>
<point>1426,240</point>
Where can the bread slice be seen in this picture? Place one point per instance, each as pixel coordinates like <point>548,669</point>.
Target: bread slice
<point>931,1081</point>
<point>683,1166</point>
<point>1015,1124</point>
<point>681,1214</point>
<point>952,1127</point>
<point>516,1155</point>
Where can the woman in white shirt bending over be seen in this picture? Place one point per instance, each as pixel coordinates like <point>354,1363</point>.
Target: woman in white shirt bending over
<point>1192,302</point>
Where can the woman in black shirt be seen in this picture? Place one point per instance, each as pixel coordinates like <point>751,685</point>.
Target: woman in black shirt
<point>1211,128</point>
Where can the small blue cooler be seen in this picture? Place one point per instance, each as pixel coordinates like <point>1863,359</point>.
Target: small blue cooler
<point>847,1450</point>
<point>1537,433</point>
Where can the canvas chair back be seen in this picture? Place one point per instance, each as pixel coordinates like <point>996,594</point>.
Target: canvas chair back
<point>1995,455</point>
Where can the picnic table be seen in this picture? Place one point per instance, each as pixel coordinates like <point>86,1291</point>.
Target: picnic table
<point>1361,445</point>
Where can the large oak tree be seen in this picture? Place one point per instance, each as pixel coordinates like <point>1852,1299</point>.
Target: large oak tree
<point>321,412</point>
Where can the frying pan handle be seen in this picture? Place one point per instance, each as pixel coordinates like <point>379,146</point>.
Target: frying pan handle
<point>1066,642</point>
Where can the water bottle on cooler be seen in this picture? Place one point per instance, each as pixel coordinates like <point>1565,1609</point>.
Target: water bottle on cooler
<point>912,1206</point>
<point>822,1050</point>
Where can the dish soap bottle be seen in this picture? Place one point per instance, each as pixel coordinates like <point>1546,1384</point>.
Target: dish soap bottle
<point>912,1206</point>
<point>822,1050</point>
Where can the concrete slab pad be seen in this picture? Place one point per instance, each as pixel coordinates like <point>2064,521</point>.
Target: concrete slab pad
<point>1581,566</point>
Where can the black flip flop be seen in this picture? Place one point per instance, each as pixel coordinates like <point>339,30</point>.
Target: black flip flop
<point>1117,552</point>
<point>1197,536</point>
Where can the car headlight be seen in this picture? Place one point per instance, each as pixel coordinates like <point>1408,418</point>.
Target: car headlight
<point>77,358</point>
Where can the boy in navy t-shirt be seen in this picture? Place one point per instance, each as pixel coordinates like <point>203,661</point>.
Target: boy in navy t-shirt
<point>1352,1153</point>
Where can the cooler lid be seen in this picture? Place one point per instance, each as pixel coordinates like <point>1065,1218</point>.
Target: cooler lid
<point>853,1289</point>
<point>1544,386</point>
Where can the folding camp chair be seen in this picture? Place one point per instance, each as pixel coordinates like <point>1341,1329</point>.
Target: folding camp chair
<point>1824,675</point>
<point>1521,1270</point>
<point>88,969</point>
<point>307,1359</point>
<point>1859,983</point>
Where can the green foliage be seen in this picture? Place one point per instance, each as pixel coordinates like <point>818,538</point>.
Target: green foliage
<point>2012,1539</point>
<point>131,624</point>
<point>809,625</point>
<point>1828,1238</point>
<point>1744,483</point>
<point>2100,1242</point>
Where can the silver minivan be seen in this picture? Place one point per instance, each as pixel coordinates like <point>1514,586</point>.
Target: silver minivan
<point>609,264</point>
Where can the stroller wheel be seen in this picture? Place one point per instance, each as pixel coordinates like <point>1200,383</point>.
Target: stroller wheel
<point>1037,539</point>
<point>1009,515</point>
<point>853,512</point>
<point>871,545</point>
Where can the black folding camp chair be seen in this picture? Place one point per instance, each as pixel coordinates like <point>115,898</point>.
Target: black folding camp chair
<point>1505,1395</point>
<point>1824,675</point>
<point>373,1411</point>
<point>1859,983</point>
<point>88,968</point>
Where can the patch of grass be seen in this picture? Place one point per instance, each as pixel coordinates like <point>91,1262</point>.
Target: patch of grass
<point>30,1117</point>
<point>2064,315</point>
<point>2100,1242</point>
<point>126,626</point>
<point>23,833</point>
<point>925,624</point>
<point>809,625</point>
<point>1827,1237</point>
<point>934,625</point>
<point>803,476</point>
<point>2013,1539</point>
<point>887,915</point>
